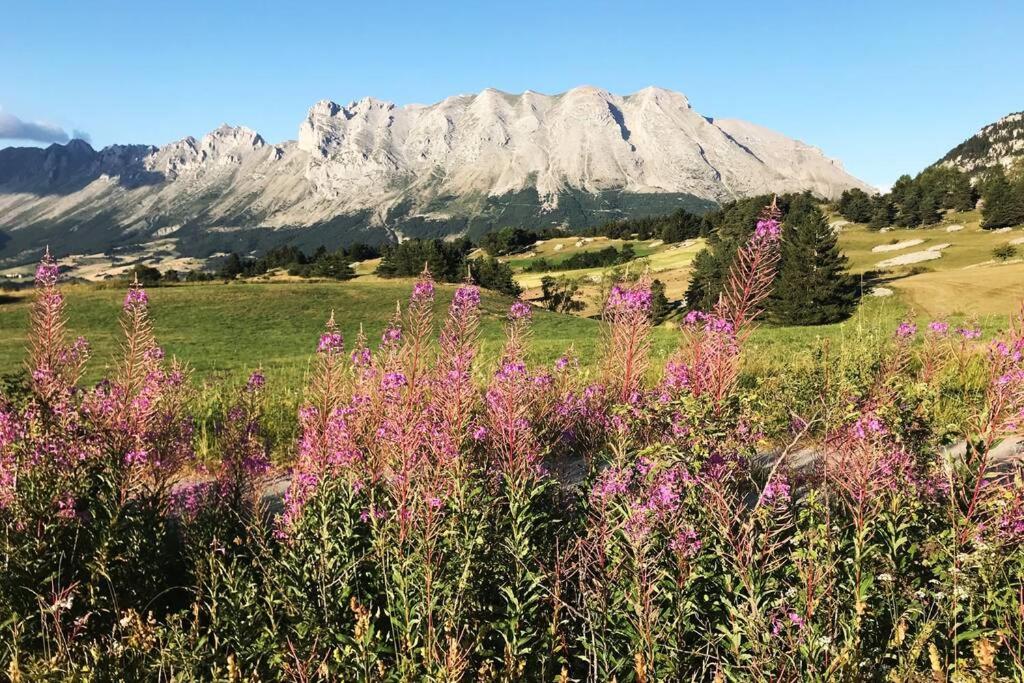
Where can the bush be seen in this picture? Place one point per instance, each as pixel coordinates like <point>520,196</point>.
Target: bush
<point>1004,252</point>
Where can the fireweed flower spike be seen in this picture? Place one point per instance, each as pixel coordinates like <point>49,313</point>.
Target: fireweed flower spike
<point>707,362</point>
<point>54,365</point>
<point>627,317</point>
<point>453,391</point>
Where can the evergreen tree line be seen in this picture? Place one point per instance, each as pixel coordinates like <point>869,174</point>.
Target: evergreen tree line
<point>912,202</point>
<point>1002,197</point>
<point>335,264</point>
<point>448,261</point>
<point>677,226</point>
<point>602,258</point>
<point>812,287</point>
<point>918,201</point>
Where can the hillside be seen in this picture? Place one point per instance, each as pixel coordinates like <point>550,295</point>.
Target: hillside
<point>997,144</point>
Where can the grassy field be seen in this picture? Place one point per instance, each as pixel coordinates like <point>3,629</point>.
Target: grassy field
<point>220,328</point>
<point>231,328</point>
<point>965,280</point>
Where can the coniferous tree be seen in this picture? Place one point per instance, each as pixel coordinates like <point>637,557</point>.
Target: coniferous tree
<point>882,213</point>
<point>855,205</point>
<point>813,286</point>
<point>909,212</point>
<point>1003,200</point>
<point>660,306</point>
<point>490,273</point>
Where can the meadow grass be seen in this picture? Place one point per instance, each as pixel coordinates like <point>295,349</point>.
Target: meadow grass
<point>229,329</point>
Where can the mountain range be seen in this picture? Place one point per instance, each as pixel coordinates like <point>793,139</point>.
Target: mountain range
<point>373,171</point>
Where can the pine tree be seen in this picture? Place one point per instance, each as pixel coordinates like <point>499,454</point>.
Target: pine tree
<point>882,213</point>
<point>1004,201</point>
<point>813,286</point>
<point>909,213</point>
<point>660,306</point>
<point>855,205</point>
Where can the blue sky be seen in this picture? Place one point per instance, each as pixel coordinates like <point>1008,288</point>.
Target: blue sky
<point>886,87</point>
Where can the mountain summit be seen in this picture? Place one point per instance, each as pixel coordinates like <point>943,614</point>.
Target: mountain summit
<point>371,170</point>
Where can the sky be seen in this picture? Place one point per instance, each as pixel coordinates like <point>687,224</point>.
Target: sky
<point>885,87</point>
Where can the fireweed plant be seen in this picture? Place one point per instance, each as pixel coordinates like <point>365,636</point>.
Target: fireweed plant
<point>545,524</point>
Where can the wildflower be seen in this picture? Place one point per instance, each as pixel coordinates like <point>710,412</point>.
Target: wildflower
<point>392,381</point>
<point>423,290</point>
<point>392,335</point>
<point>632,300</point>
<point>938,327</point>
<point>768,229</point>
<point>906,330</point>
<point>330,342</point>
<point>47,272</point>
<point>66,507</point>
<point>519,310</point>
<point>136,298</point>
<point>776,492</point>
<point>361,357</point>
<point>256,381</point>
<point>562,363</point>
<point>968,333</point>
<point>686,543</point>
<point>466,297</point>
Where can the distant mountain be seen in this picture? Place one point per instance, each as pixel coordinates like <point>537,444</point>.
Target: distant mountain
<point>997,144</point>
<point>373,171</point>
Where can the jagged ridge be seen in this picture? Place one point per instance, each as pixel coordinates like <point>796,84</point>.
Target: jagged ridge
<point>440,165</point>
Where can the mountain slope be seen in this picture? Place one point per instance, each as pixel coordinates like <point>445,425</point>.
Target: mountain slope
<point>1000,143</point>
<point>372,171</point>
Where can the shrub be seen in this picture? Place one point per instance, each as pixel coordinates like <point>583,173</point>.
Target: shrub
<point>1004,252</point>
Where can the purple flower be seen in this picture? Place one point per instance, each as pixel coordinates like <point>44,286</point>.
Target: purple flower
<point>777,491</point>
<point>361,357</point>
<point>906,330</point>
<point>768,229</point>
<point>624,299</point>
<point>392,381</point>
<point>686,543</point>
<point>938,327</point>
<point>511,369</point>
<point>466,297</point>
<point>256,381</point>
<point>519,310</point>
<point>136,298</point>
<point>969,332</point>
<point>423,291</point>
<point>392,335</point>
<point>330,342</point>
<point>48,272</point>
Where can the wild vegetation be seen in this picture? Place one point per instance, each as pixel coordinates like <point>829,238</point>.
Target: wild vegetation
<point>918,201</point>
<point>544,523</point>
<point>812,282</point>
